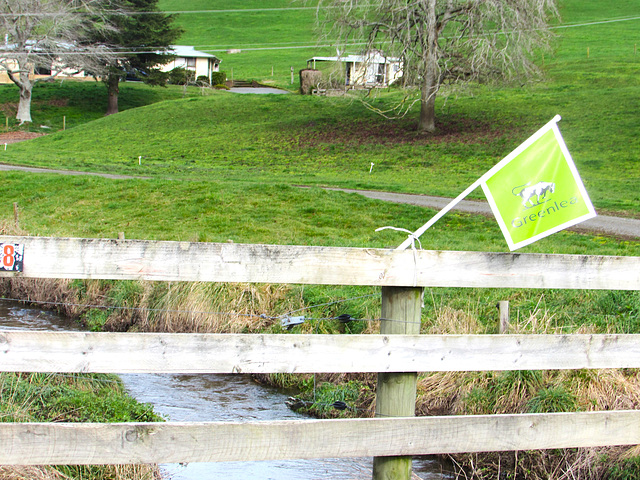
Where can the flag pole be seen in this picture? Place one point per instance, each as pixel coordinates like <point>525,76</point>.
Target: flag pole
<point>409,241</point>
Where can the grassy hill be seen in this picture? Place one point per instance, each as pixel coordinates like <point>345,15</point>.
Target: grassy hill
<point>282,34</point>
<point>273,36</point>
<point>257,142</point>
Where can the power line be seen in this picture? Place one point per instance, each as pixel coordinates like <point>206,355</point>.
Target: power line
<point>172,12</point>
<point>600,22</point>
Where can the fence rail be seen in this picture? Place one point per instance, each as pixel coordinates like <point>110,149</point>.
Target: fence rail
<point>391,354</point>
<point>120,443</point>
<point>224,262</point>
<point>81,352</point>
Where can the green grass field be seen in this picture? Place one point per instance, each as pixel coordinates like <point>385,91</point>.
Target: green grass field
<point>332,141</point>
<point>247,151</point>
<point>225,167</point>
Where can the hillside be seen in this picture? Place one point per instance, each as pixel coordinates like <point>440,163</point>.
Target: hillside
<point>271,34</point>
<point>592,83</point>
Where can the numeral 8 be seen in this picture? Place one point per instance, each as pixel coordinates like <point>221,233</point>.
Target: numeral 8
<point>8,257</point>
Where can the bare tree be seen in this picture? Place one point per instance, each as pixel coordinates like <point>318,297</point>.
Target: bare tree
<point>47,36</point>
<point>442,41</point>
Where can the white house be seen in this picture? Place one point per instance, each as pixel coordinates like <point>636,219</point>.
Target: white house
<point>55,68</point>
<point>187,57</point>
<point>370,69</point>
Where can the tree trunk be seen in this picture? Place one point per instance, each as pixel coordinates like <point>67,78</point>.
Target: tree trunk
<point>24,105</point>
<point>428,106</point>
<point>430,73</point>
<point>113,87</point>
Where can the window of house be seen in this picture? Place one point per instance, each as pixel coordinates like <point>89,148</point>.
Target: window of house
<point>380,74</point>
<point>42,71</point>
<point>191,63</point>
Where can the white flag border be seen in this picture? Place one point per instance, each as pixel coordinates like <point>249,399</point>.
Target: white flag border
<point>552,125</point>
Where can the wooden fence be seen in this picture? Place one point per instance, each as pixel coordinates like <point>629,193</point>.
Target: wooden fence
<point>397,350</point>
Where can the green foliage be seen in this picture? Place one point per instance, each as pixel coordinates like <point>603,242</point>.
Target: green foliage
<point>180,76</point>
<point>203,81</point>
<point>95,319</point>
<point>68,398</point>
<point>327,396</point>
<point>551,400</point>
<point>125,293</point>
<point>625,307</point>
<point>479,401</point>
<point>156,77</point>
<point>136,32</point>
<point>218,78</point>
<point>626,469</point>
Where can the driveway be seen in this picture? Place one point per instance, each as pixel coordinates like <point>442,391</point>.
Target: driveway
<point>257,90</point>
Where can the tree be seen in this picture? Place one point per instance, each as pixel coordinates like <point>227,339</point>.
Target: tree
<point>142,37</point>
<point>45,36</point>
<point>445,41</point>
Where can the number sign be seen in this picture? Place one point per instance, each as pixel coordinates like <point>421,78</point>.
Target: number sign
<point>12,255</point>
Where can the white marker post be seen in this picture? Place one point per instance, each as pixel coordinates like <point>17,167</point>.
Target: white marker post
<point>371,169</point>
<point>140,160</point>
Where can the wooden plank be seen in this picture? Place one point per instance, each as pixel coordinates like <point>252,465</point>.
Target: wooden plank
<point>215,262</point>
<point>60,443</point>
<point>26,351</point>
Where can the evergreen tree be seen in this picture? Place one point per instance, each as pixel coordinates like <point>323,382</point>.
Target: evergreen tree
<point>142,39</point>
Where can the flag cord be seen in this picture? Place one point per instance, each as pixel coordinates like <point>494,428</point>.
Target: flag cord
<point>412,238</point>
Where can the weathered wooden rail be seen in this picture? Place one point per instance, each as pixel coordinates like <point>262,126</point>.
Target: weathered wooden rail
<point>393,352</point>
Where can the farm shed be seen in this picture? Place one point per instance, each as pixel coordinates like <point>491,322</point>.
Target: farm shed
<point>370,69</point>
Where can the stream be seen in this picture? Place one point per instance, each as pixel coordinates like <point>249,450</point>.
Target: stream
<point>217,397</point>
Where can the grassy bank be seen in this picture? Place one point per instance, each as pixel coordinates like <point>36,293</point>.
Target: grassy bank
<point>71,398</point>
<point>289,139</point>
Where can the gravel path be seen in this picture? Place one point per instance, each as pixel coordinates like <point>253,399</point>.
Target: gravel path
<point>114,176</point>
<point>615,226</point>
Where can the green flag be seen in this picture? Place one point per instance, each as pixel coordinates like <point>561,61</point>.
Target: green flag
<point>536,191</point>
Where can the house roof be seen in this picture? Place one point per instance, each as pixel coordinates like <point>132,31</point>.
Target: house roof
<point>374,58</point>
<point>189,51</point>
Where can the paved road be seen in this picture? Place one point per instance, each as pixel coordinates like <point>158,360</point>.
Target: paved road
<point>258,90</point>
<point>616,226</point>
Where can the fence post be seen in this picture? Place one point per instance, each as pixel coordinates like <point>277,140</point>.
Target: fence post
<point>16,214</point>
<point>503,306</point>
<point>396,392</point>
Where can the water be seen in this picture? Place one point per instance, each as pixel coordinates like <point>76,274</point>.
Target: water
<point>194,398</point>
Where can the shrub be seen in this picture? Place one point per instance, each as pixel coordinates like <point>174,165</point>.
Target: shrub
<point>203,81</point>
<point>180,76</point>
<point>218,78</point>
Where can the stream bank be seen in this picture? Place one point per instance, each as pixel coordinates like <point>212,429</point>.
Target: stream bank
<point>217,398</point>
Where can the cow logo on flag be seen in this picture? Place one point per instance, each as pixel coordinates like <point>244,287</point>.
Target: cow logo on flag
<point>536,190</point>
